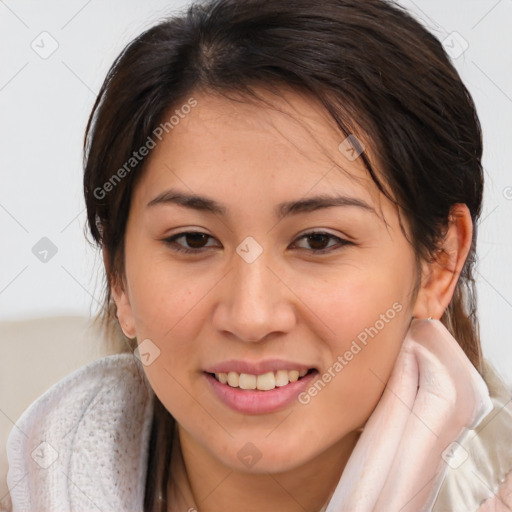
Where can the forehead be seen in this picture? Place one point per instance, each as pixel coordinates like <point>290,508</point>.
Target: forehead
<point>285,143</point>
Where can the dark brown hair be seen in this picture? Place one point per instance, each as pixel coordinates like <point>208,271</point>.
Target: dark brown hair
<point>367,61</point>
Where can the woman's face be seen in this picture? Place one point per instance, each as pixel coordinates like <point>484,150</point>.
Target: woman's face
<point>256,294</point>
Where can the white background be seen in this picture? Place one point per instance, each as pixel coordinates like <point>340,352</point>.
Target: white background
<point>45,104</point>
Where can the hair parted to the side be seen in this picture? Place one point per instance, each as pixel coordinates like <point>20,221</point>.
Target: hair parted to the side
<point>378,73</point>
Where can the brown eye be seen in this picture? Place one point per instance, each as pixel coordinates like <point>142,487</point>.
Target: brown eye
<point>194,241</point>
<point>318,241</point>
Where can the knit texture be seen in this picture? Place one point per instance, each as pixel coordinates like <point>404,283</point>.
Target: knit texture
<point>83,444</point>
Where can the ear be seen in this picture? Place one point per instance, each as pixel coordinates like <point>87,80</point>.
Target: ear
<point>121,298</point>
<point>440,277</point>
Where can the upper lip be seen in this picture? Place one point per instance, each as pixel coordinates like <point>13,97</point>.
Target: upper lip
<point>256,367</point>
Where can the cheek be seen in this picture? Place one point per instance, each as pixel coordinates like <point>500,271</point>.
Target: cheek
<point>354,304</point>
<point>168,307</point>
<point>362,319</point>
<point>165,297</point>
<point>361,362</point>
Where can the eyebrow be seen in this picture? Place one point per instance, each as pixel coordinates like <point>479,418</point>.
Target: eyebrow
<point>282,210</point>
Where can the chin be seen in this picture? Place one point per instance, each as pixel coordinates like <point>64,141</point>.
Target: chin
<point>253,460</point>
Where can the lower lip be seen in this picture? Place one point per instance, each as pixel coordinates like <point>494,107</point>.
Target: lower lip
<point>260,402</point>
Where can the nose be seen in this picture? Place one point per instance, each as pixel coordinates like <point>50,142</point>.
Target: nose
<point>254,301</point>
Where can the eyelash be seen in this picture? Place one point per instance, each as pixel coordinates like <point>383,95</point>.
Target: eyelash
<point>171,241</point>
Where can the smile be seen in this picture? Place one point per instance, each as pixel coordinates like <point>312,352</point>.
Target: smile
<point>263,382</point>
<point>259,394</point>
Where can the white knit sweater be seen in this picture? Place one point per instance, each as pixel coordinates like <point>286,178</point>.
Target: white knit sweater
<point>83,446</point>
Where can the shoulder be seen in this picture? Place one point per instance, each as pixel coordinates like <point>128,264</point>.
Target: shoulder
<point>480,476</point>
<point>88,432</point>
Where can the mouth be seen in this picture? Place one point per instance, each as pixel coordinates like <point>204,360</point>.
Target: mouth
<point>264,393</point>
<point>263,382</point>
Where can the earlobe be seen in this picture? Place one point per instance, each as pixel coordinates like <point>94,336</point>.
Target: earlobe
<point>121,298</point>
<point>124,310</point>
<point>439,277</point>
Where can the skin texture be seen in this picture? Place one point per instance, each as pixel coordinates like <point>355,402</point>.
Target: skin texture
<point>290,303</point>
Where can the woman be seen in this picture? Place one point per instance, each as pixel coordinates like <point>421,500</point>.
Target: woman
<point>286,197</point>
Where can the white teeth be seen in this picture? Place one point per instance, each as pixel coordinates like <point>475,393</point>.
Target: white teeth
<point>282,378</point>
<point>247,381</point>
<point>293,375</point>
<point>263,382</point>
<point>266,381</point>
<point>233,379</point>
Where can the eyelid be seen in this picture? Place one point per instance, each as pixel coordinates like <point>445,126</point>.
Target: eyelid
<point>342,242</point>
<point>171,241</point>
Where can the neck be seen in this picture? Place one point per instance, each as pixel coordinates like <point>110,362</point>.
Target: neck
<point>203,483</point>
